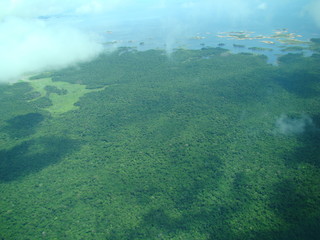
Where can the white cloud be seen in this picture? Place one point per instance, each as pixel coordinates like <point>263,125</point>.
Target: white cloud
<point>288,126</point>
<point>30,45</point>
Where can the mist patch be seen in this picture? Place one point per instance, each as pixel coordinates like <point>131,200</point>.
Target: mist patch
<point>289,125</point>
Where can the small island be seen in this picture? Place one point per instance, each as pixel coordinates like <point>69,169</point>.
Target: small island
<point>280,35</point>
<point>260,49</point>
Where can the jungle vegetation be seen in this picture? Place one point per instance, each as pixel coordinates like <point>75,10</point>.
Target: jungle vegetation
<point>200,144</point>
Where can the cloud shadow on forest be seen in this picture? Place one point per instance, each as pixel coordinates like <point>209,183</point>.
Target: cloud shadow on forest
<point>297,74</point>
<point>309,150</point>
<point>294,198</point>
<point>34,155</point>
<point>23,125</point>
<point>293,206</point>
<point>159,223</point>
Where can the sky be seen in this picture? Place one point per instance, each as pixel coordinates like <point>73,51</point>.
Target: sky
<point>37,35</point>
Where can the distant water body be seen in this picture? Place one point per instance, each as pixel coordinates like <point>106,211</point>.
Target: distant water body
<point>153,33</point>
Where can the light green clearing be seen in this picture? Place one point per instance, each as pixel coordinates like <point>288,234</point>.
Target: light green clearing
<point>60,103</point>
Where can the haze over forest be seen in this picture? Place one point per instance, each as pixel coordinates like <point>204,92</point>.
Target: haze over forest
<point>58,34</point>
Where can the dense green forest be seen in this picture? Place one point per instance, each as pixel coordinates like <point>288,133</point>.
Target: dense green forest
<point>198,144</point>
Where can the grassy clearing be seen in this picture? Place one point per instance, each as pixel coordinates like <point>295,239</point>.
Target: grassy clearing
<point>61,103</point>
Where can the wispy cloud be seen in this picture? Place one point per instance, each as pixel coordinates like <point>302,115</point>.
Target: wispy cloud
<point>31,42</point>
<point>289,125</point>
<point>313,9</point>
<point>29,46</point>
<point>262,6</point>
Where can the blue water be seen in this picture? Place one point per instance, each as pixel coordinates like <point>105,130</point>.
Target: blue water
<point>170,33</point>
